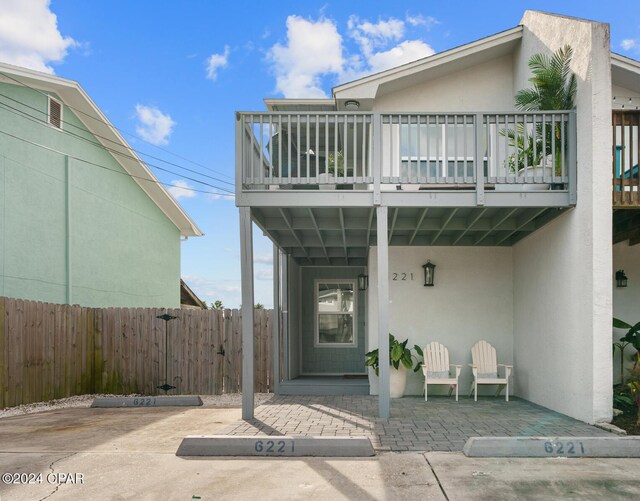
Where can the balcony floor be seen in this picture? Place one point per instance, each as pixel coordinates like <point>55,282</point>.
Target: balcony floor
<point>339,236</point>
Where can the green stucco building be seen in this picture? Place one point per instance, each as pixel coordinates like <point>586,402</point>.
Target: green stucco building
<point>82,219</point>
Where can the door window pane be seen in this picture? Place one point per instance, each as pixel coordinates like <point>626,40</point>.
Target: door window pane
<point>334,313</point>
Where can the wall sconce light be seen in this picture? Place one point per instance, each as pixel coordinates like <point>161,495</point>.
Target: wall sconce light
<point>363,282</point>
<point>351,105</point>
<point>429,273</point>
<point>621,279</point>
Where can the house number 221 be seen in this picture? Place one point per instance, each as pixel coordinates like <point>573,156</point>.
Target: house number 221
<point>401,277</point>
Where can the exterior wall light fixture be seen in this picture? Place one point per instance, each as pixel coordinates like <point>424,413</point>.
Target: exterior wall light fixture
<point>351,105</point>
<point>621,279</point>
<point>363,282</point>
<point>429,273</point>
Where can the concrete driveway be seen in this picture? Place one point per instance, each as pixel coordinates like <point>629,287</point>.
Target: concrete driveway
<point>130,454</point>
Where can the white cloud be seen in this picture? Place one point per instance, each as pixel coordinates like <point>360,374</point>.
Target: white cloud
<point>217,61</point>
<point>220,196</point>
<point>406,52</point>
<point>264,274</point>
<point>29,35</point>
<point>313,49</point>
<point>419,20</point>
<point>629,44</point>
<point>263,258</point>
<point>181,189</point>
<point>154,127</point>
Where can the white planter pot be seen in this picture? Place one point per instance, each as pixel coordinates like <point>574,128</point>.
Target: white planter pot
<point>397,381</point>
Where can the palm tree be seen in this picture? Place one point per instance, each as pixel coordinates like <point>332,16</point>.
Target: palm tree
<point>554,88</point>
<point>554,84</point>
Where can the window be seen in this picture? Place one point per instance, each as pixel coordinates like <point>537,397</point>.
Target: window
<point>335,308</point>
<point>55,113</point>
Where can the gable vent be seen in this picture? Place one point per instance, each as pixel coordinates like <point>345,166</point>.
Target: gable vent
<point>55,113</point>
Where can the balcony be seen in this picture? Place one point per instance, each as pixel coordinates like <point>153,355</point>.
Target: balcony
<point>626,142</point>
<point>458,159</point>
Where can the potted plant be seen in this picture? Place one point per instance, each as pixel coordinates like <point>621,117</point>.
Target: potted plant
<point>400,359</point>
<point>628,392</point>
<point>554,88</point>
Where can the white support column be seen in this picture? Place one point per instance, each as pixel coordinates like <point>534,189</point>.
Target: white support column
<point>383,312</point>
<point>275,321</point>
<point>284,271</point>
<point>246,272</point>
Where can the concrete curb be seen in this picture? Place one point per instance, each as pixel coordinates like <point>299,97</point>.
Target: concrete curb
<point>278,446</point>
<point>157,401</point>
<point>594,447</point>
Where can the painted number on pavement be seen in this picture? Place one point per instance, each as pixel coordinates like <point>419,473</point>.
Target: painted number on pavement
<point>274,447</point>
<point>560,448</point>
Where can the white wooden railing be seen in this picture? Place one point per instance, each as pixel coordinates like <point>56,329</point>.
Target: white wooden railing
<point>426,149</point>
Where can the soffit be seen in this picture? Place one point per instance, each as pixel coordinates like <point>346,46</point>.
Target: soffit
<point>625,72</point>
<point>342,236</point>
<point>300,105</point>
<point>74,96</point>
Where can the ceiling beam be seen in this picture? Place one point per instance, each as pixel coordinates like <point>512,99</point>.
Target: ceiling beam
<point>371,213</point>
<point>418,224</point>
<point>470,224</point>
<point>525,221</point>
<point>444,225</point>
<point>393,223</point>
<point>344,235</point>
<point>285,216</point>
<point>317,228</point>
<point>497,223</point>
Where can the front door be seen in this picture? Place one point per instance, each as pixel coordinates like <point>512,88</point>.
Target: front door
<point>332,330</point>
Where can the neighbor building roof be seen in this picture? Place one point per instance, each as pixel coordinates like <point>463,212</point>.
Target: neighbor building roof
<point>74,96</point>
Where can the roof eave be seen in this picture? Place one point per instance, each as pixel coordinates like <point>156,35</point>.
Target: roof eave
<point>154,190</point>
<point>369,84</point>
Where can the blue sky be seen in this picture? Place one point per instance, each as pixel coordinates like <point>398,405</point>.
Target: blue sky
<point>170,75</point>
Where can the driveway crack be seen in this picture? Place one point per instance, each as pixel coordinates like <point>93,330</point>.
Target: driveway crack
<point>436,476</point>
<point>53,471</point>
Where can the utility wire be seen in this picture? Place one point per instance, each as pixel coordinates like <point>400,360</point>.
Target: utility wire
<point>99,145</point>
<point>111,126</point>
<point>106,139</point>
<point>169,185</point>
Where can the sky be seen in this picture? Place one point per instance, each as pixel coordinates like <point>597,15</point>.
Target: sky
<point>171,75</point>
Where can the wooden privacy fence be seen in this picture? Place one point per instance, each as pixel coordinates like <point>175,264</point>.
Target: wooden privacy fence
<point>52,351</point>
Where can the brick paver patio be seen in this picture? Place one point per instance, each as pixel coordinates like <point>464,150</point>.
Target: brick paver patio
<point>441,424</point>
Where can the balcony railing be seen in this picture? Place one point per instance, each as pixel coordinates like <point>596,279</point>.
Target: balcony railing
<point>409,151</point>
<point>626,143</point>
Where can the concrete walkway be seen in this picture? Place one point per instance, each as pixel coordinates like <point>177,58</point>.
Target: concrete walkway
<point>130,454</point>
<point>441,424</point>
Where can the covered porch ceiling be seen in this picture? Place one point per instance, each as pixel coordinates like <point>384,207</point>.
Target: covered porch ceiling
<point>335,236</point>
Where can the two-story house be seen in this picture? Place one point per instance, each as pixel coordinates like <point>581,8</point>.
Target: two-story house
<point>83,220</point>
<point>419,164</point>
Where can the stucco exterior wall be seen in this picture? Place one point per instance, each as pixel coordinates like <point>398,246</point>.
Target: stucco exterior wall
<point>472,299</point>
<point>562,286</point>
<point>626,300</point>
<point>484,87</point>
<point>73,232</point>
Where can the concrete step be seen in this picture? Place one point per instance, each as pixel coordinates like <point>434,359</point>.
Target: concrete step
<point>330,385</point>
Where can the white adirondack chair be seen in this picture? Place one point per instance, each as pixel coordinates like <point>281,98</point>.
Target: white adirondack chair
<point>437,370</point>
<point>485,369</point>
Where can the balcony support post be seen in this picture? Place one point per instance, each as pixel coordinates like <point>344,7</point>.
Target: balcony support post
<point>246,274</point>
<point>478,160</point>
<point>376,160</point>
<point>383,312</point>
<point>239,157</point>
<point>573,163</point>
